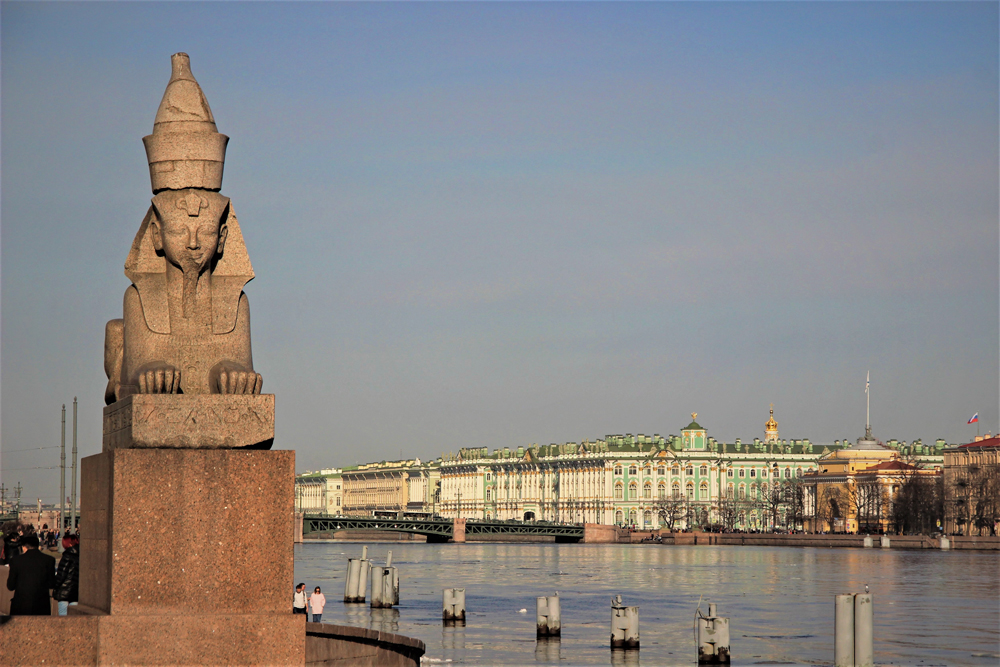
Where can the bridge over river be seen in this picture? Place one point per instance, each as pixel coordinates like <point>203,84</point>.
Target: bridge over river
<point>442,530</point>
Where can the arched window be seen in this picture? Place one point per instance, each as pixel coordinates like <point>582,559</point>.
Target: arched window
<point>647,518</point>
<point>633,491</point>
<point>743,492</point>
<point>729,491</point>
<point>632,516</point>
<point>763,490</point>
<point>676,470</point>
<point>661,491</point>
<point>661,470</point>
<point>633,470</point>
<point>763,472</point>
<point>647,490</point>
<point>488,477</point>
<point>743,472</point>
<point>488,516</point>
<point>798,472</point>
<point>489,494</point>
<point>647,470</point>
<point>676,490</point>
<point>690,490</point>
<point>618,469</point>
<point>753,472</point>
<point>618,491</point>
<point>743,517</point>
<point>729,473</point>
<point>703,491</point>
<point>703,471</point>
<point>753,491</point>
<point>618,516</point>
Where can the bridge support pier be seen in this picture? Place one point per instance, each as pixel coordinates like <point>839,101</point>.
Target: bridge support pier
<point>458,531</point>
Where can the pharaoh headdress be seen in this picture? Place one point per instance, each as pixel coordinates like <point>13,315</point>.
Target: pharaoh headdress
<point>186,151</point>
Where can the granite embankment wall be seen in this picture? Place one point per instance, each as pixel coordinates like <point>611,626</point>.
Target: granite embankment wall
<point>328,644</point>
<point>77,640</point>
<point>857,541</point>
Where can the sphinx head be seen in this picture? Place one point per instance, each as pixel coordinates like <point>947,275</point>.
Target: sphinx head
<point>188,228</point>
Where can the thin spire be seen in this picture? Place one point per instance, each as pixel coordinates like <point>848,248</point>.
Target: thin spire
<point>868,407</point>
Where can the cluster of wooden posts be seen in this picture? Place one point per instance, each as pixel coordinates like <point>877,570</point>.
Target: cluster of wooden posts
<point>713,632</point>
<point>385,581</point>
<point>853,631</point>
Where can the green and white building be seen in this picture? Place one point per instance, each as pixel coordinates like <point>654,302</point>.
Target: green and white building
<point>646,481</point>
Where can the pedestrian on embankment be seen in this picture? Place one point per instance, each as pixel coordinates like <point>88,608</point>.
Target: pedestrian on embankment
<point>299,600</point>
<point>31,576</point>
<point>67,589</point>
<point>316,603</point>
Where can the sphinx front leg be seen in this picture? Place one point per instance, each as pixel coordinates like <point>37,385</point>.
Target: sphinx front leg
<point>230,377</point>
<point>158,377</point>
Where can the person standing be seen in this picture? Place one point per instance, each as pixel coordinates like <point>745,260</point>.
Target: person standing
<point>316,602</point>
<point>67,588</point>
<point>299,600</point>
<point>31,576</point>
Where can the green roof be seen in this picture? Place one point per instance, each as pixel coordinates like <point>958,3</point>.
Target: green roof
<point>694,426</point>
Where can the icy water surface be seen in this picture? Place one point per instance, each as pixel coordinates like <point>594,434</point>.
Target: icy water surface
<point>931,607</point>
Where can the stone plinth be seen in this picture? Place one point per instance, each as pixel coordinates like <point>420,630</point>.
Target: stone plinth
<point>180,421</point>
<point>187,531</point>
<point>458,531</point>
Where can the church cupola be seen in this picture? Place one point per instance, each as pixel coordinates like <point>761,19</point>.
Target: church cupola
<point>771,428</point>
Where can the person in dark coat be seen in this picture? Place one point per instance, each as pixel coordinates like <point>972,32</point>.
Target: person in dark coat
<point>67,588</point>
<point>31,576</point>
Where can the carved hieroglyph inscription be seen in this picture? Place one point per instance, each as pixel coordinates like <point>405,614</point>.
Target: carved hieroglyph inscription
<point>199,420</point>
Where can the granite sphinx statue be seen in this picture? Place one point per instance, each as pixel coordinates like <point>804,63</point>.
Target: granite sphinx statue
<point>186,321</point>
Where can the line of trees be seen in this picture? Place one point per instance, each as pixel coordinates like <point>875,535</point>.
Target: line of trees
<point>780,506</point>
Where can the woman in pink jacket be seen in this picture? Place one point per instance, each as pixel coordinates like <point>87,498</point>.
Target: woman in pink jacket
<point>316,603</point>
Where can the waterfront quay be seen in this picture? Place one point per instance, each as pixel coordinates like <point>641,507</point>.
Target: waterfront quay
<point>931,606</point>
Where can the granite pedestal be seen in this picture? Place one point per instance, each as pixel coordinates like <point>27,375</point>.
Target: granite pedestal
<point>192,545</point>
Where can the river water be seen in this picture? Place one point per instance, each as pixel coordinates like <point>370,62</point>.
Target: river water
<point>931,607</point>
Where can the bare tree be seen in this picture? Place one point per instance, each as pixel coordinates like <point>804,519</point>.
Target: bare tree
<point>917,506</point>
<point>830,505</point>
<point>867,499</point>
<point>729,512</point>
<point>671,510</point>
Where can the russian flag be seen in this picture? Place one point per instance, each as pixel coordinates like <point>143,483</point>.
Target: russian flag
<point>974,419</point>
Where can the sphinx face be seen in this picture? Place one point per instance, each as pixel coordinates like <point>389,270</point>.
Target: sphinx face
<point>191,244</point>
<point>188,228</point>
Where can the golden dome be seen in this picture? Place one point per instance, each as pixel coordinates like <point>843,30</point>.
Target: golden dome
<point>771,425</point>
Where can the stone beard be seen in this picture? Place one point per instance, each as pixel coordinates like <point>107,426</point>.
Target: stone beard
<point>186,321</point>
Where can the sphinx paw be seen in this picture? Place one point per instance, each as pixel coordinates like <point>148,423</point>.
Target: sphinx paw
<point>160,378</point>
<point>239,382</point>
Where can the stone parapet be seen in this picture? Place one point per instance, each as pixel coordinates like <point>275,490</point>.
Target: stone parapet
<point>184,421</point>
<point>328,644</point>
<point>820,540</point>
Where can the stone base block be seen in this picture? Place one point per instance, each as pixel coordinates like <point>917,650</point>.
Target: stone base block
<point>183,532</point>
<point>213,639</point>
<point>184,421</point>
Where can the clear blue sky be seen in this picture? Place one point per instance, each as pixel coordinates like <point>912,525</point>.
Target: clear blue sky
<point>505,224</point>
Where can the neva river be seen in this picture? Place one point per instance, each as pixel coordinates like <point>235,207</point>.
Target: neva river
<point>931,607</point>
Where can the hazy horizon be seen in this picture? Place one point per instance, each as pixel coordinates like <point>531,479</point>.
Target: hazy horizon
<point>489,225</point>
